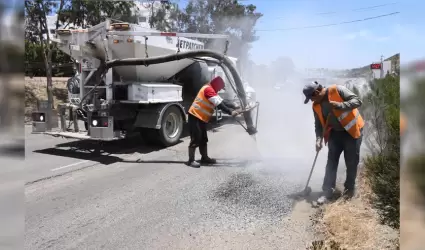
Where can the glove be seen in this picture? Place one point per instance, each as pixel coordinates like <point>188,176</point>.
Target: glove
<point>319,144</point>
<point>235,113</point>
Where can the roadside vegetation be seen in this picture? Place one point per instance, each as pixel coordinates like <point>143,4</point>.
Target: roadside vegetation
<point>365,71</point>
<point>413,105</point>
<point>412,214</point>
<point>371,220</point>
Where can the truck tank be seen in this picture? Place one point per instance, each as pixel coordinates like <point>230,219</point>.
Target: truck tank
<point>108,47</point>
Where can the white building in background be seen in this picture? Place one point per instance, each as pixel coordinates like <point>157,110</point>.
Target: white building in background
<point>380,70</point>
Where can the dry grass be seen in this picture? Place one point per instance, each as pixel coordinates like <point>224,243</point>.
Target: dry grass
<point>355,224</point>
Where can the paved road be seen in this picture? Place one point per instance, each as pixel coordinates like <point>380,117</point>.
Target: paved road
<point>142,198</point>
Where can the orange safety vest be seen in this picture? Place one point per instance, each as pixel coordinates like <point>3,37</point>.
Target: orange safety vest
<point>201,107</point>
<point>351,120</point>
<point>402,124</point>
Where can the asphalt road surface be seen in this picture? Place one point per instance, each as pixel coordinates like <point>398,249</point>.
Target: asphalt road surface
<point>131,196</point>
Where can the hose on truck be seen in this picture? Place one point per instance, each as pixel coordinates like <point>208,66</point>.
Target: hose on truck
<point>193,54</point>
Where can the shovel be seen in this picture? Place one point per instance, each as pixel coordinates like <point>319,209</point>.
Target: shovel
<point>307,189</point>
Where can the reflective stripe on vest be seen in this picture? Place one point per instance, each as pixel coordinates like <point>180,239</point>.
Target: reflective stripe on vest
<point>201,108</point>
<point>196,106</point>
<point>351,120</point>
<point>209,105</point>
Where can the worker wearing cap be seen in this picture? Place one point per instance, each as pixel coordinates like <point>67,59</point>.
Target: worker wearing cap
<point>343,133</point>
<point>200,114</point>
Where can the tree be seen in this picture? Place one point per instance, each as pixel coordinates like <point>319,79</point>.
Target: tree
<point>83,13</point>
<point>70,13</point>
<point>62,64</point>
<point>213,16</point>
<point>36,14</point>
<point>165,18</point>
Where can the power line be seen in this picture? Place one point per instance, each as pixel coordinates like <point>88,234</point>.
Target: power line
<point>362,9</point>
<point>332,24</point>
<point>357,9</point>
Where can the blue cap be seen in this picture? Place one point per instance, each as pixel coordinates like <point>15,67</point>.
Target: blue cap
<point>309,89</point>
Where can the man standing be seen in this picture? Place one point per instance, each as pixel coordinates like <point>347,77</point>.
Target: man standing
<point>200,114</point>
<point>343,133</point>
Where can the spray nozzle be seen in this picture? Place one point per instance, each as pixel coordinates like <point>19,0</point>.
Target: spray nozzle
<point>251,130</point>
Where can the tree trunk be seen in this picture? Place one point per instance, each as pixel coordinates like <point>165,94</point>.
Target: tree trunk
<point>47,54</point>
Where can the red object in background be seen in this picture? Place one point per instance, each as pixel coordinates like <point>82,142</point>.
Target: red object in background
<point>420,66</point>
<point>375,66</point>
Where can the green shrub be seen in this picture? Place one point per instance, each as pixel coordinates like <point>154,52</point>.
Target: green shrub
<point>381,110</point>
<point>413,106</point>
<point>383,173</point>
<point>416,167</point>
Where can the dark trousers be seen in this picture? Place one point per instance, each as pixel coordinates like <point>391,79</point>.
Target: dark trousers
<point>340,141</point>
<point>198,132</point>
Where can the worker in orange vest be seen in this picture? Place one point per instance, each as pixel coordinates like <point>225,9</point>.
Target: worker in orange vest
<point>200,114</point>
<point>343,133</point>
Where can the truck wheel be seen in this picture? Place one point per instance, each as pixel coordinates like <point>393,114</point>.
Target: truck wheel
<point>171,127</point>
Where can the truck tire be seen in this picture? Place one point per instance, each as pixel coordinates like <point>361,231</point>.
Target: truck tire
<point>171,127</point>
<point>170,132</point>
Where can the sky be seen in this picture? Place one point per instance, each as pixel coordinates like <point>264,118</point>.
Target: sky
<point>341,46</point>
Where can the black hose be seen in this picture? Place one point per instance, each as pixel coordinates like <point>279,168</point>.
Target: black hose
<point>192,54</point>
<point>73,85</point>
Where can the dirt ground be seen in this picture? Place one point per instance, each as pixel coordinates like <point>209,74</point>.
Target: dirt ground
<point>35,90</point>
<point>355,224</point>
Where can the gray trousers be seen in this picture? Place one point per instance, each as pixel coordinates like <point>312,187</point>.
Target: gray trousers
<point>340,141</point>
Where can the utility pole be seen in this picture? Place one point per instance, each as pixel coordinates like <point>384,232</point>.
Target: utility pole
<point>382,67</point>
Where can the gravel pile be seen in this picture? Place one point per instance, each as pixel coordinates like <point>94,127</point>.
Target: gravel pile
<point>254,197</point>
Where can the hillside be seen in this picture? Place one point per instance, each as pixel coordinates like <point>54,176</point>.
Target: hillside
<point>365,71</point>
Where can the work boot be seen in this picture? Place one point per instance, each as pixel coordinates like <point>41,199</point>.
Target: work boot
<point>205,159</point>
<point>348,194</point>
<point>325,197</point>
<point>322,200</point>
<point>191,162</point>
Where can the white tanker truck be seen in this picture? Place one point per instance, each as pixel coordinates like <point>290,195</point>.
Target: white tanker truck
<point>133,79</point>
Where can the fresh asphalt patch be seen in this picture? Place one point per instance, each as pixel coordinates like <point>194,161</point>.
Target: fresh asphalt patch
<point>252,197</point>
